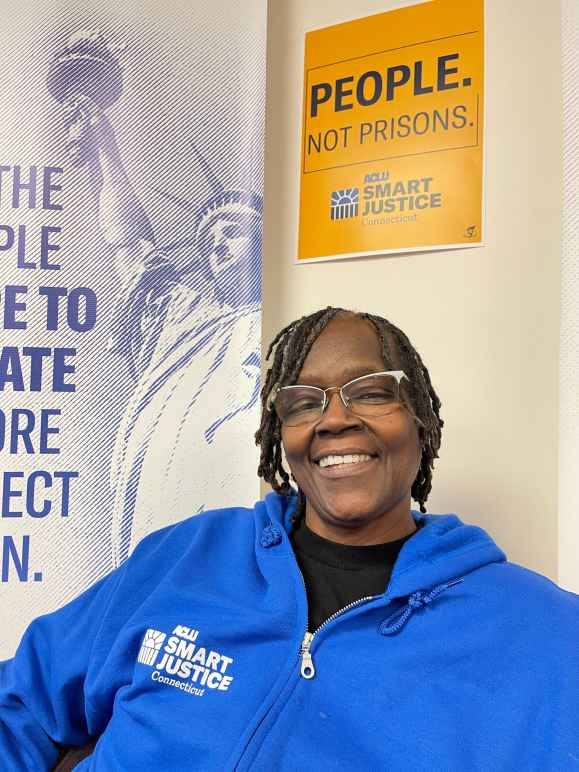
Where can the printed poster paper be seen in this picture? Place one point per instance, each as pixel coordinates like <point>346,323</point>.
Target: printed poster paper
<point>392,146</point>
<point>131,165</point>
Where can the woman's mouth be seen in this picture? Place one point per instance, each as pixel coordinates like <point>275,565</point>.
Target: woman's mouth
<point>344,465</point>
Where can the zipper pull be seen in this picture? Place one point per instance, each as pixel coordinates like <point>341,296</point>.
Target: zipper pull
<point>307,670</point>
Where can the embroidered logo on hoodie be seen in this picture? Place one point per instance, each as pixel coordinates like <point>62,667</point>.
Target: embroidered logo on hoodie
<point>182,663</point>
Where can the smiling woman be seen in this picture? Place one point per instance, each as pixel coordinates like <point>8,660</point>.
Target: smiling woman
<point>328,348</point>
<point>367,499</point>
<point>331,627</point>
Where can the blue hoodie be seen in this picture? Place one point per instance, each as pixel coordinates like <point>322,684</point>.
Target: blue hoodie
<point>188,657</point>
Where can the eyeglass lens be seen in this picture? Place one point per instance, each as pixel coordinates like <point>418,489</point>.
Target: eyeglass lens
<point>371,395</point>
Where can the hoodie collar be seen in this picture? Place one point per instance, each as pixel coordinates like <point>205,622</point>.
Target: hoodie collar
<point>442,550</point>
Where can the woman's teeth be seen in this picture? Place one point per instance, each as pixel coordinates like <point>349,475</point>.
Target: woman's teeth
<point>350,459</point>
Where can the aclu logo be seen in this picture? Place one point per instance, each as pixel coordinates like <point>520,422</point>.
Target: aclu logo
<point>151,646</point>
<point>178,660</point>
<point>344,203</point>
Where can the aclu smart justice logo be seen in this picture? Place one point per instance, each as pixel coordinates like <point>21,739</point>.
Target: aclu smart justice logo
<point>344,204</point>
<point>382,195</point>
<point>179,661</point>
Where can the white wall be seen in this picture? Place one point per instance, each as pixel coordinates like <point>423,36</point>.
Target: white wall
<point>485,320</point>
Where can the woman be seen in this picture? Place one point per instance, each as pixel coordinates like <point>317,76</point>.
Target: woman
<point>418,647</point>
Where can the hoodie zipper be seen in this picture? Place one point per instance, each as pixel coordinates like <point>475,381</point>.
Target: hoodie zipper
<point>308,669</point>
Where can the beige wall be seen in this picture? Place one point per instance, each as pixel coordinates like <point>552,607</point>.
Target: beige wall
<point>485,320</point>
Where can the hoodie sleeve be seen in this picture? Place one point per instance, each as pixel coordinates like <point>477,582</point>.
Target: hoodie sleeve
<point>53,690</point>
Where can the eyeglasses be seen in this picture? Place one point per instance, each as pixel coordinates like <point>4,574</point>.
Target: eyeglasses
<point>372,395</point>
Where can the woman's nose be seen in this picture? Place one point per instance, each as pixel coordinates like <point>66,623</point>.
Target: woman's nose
<point>336,417</point>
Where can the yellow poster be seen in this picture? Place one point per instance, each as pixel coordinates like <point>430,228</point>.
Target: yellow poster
<point>392,145</point>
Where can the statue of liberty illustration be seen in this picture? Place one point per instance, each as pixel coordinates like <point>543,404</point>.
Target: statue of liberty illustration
<point>191,338</point>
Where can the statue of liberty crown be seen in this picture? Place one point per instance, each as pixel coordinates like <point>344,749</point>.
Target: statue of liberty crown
<point>223,200</point>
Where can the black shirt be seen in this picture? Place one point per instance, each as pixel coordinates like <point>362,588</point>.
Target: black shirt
<point>339,574</point>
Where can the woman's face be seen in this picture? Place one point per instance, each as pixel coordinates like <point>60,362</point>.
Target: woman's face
<point>371,496</point>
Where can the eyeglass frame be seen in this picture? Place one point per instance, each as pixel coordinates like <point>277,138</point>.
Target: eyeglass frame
<point>398,374</point>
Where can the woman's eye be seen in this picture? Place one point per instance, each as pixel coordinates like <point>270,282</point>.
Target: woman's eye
<point>304,404</point>
<point>376,395</point>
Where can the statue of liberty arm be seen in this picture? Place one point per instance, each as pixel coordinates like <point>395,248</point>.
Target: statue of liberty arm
<point>123,222</point>
<point>147,276</point>
<point>86,77</point>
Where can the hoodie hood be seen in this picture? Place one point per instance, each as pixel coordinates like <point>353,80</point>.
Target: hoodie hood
<point>442,550</point>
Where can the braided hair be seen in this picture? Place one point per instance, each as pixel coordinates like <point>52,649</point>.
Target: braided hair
<point>290,348</point>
